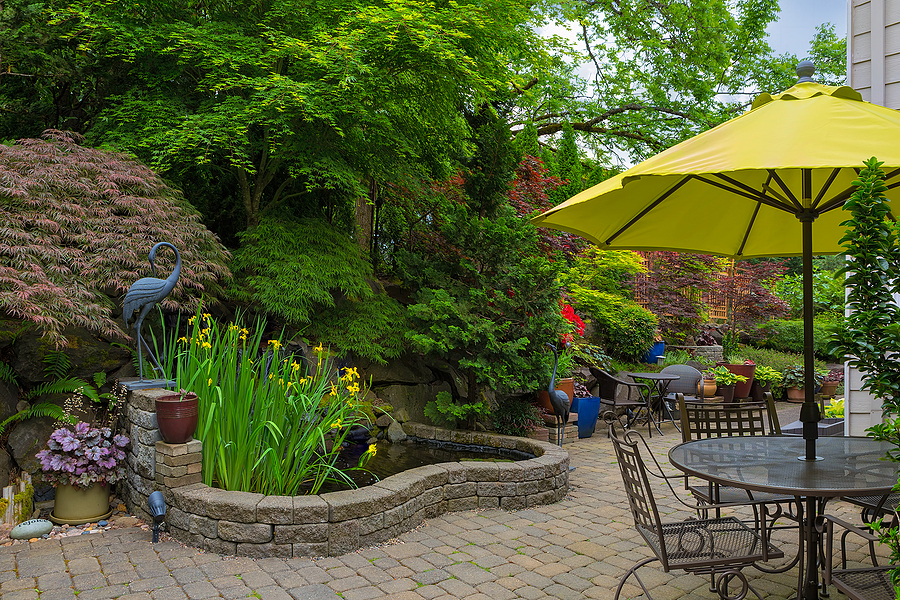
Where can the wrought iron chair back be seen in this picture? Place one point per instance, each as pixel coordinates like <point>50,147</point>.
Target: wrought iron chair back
<point>635,403</point>
<point>718,547</point>
<point>702,420</point>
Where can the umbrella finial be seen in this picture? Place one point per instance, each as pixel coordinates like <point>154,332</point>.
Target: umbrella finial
<point>805,70</point>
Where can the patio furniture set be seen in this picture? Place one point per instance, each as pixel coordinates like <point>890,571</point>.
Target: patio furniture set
<point>738,452</point>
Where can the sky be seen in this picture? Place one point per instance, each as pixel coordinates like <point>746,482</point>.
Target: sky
<point>798,20</point>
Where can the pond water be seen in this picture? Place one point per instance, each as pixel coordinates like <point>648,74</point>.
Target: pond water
<point>391,459</point>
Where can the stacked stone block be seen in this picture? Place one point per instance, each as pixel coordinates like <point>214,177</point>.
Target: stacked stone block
<point>140,423</point>
<point>178,465</point>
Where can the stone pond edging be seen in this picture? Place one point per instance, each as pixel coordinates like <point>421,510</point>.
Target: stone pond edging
<point>254,525</point>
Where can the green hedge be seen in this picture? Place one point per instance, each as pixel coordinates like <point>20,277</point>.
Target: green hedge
<point>621,326</point>
<point>786,335</point>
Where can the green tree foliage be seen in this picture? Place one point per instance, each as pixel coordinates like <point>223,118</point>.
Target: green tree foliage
<point>309,273</point>
<point>78,225</point>
<point>659,72</point>
<point>828,292</point>
<point>300,104</point>
<point>568,166</point>
<point>608,271</point>
<point>621,326</point>
<point>870,334</point>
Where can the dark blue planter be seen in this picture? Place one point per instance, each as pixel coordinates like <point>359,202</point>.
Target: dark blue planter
<point>588,411</point>
<point>658,349</point>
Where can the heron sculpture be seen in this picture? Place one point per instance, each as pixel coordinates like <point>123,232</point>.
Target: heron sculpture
<point>144,294</point>
<point>559,400</point>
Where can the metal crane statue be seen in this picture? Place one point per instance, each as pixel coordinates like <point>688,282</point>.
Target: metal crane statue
<point>559,400</point>
<point>143,295</point>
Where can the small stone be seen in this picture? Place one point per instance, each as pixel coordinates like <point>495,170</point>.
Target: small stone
<point>127,521</point>
<point>46,536</point>
<point>121,508</point>
<point>33,539</point>
<point>103,523</point>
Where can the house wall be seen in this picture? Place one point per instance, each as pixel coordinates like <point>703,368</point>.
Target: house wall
<point>873,65</point>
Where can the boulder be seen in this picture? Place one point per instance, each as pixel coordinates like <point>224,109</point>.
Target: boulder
<point>408,369</point>
<point>395,433</point>
<point>447,372</point>
<point>9,400</point>
<point>33,528</point>
<point>413,398</point>
<point>383,421</point>
<point>88,354</point>
<point>6,464</point>
<point>27,439</point>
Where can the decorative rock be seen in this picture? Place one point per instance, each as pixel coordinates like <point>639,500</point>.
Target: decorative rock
<point>103,523</point>
<point>384,420</point>
<point>395,433</point>
<point>31,529</point>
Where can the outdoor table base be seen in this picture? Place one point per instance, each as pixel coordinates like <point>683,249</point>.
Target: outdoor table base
<point>659,384</point>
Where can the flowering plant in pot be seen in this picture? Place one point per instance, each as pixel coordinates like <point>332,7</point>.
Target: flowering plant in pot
<point>831,381</point>
<point>83,463</point>
<point>794,381</point>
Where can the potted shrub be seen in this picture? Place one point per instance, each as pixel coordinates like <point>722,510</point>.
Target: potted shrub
<point>177,416</point>
<point>764,377</point>
<point>83,464</point>
<point>746,369</point>
<point>794,381</point>
<point>726,380</point>
<point>831,381</point>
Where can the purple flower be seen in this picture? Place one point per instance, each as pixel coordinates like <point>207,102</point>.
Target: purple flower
<point>83,456</point>
<point>121,441</point>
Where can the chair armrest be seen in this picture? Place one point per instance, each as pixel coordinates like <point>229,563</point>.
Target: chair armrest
<point>825,523</point>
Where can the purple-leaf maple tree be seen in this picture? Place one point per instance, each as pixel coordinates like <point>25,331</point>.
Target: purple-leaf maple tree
<point>76,227</point>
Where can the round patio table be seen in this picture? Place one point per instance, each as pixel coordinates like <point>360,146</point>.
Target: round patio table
<point>659,383</point>
<point>849,466</point>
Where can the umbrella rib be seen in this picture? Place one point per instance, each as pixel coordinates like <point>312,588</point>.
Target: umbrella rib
<point>655,203</point>
<point>786,189</point>
<point>831,178</point>
<point>749,227</point>
<point>744,190</point>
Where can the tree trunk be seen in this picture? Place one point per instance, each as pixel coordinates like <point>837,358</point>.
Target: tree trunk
<point>365,218</point>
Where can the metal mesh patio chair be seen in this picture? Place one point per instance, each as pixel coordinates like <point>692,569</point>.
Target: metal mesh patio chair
<point>636,403</point>
<point>868,583</point>
<point>701,420</point>
<point>873,507</point>
<point>719,547</point>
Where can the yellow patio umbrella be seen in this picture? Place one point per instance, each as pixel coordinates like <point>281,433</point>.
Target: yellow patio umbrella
<point>770,182</point>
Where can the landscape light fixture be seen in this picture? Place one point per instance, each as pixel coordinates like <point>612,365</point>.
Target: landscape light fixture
<point>157,505</point>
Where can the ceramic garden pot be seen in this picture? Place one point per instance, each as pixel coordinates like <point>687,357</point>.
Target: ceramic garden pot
<point>709,387</point>
<point>829,388</point>
<point>177,417</point>
<point>795,394</point>
<point>757,390</point>
<point>566,384</point>
<point>76,505</point>
<point>727,392</point>
<point>742,390</point>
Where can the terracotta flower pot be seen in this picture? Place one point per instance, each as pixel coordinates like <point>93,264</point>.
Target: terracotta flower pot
<point>709,387</point>
<point>177,417</point>
<point>76,505</point>
<point>566,384</point>
<point>795,394</point>
<point>829,388</point>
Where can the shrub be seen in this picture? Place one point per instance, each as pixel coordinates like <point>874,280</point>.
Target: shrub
<point>516,416</point>
<point>78,226</point>
<point>307,272</point>
<point>621,326</point>
<point>786,335</point>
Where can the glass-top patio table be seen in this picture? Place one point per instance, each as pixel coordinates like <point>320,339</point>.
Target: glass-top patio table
<point>848,466</point>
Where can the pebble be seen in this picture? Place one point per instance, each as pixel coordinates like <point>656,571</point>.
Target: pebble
<point>103,523</point>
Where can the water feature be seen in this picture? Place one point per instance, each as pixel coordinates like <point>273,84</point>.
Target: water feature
<point>391,459</point>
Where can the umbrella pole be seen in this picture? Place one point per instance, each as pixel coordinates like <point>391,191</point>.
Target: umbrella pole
<point>809,411</point>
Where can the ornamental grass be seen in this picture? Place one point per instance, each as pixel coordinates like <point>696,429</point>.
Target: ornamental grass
<point>269,423</point>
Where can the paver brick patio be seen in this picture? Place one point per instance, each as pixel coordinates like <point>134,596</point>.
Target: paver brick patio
<point>577,548</point>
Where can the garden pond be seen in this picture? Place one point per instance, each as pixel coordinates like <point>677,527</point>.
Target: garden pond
<point>391,459</point>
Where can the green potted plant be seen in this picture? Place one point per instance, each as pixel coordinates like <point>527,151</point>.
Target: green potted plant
<point>763,380</point>
<point>83,463</point>
<point>794,381</point>
<point>726,380</point>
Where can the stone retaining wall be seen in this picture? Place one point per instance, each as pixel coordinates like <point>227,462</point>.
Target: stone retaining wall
<point>335,523</point>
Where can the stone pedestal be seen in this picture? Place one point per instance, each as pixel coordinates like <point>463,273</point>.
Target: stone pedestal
<point>178,464</point>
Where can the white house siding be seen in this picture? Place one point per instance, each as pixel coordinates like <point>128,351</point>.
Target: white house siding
<point>873,64</point>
